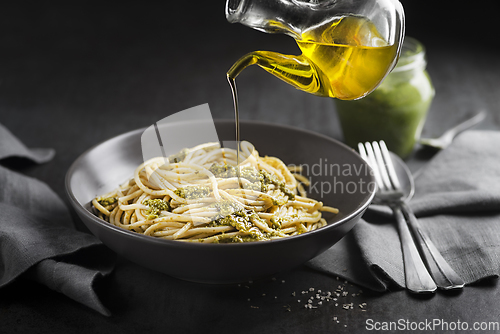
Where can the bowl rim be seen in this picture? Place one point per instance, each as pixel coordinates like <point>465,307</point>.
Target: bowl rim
<point>130,234</point>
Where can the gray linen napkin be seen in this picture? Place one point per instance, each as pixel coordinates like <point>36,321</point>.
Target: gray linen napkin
<point>37,236</point>
<point>457,201</point>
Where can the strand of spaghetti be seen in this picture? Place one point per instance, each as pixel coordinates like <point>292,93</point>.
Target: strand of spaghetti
<point>294,169</point>
<point>145,181</point>
<point>204,159</point>
<point>329,209</point>
<point>167,216</point>
<point>182,231</point>
<point>249,201</point>
<point>134,225</point>
<point>301,190</point>
<point>129,191</point>
<point>205,147</point>
<point>247,148</point>
<point>99,207</point>
<point>227,156</point>
<point>316,207</point>
<point>126,217</point>
<point>182,209</point>
<point>306,206</point>
<point>165,223</point>
<point>161,225</point>
<point>248,192</point>
<point>134,206</point>
<point>197,237</point>
<point>158,180</point>
<point>118,215</point>
<point>164,232</point>
<point>261,225</point>
<point>112,215</point>
<point>212,230</point>
<point>130,195</point>
<point>138,212</point>
<point>149,191</point>
<point>301,219</point>
<point>248,198</point>
<point>204,213</point>
<point>241,201</point>
<point>133,218</point>
<point>202,200</point>
<point>232,181</point>
<point>289,230</point>
<point>302,179</point>
<point>170,171</point>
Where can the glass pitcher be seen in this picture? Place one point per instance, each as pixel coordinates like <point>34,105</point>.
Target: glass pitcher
<point>348,46</point>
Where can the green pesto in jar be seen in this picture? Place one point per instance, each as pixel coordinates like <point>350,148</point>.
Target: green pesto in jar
<point>395,112</point>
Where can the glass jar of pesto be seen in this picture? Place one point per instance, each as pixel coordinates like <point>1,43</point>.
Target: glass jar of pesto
<point>395,112</point>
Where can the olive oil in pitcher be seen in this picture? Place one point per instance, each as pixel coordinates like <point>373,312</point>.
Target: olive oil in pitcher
<point>345,58</point>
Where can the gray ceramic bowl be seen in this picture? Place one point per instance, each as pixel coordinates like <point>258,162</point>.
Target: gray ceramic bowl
<point>340,178</point>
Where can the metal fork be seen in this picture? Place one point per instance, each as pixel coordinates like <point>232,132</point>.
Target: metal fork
<point>444,276</point>
<point>418,279</point>
<point>447,137</point>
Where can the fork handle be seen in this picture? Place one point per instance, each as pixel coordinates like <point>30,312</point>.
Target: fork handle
<point>444,276</point>
<point>418,279</point>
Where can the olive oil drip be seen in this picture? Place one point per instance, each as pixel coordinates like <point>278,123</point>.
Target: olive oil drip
<point>232,84</point>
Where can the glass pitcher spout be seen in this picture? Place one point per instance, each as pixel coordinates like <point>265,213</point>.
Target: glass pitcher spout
<point>294,70</point>
<point>348,46</point>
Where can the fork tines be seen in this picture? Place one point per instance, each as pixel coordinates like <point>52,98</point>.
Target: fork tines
<point>378,157</point>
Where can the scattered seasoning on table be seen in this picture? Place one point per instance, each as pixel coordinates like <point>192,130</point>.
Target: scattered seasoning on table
<point>348,306</point>
<point>319,298</point>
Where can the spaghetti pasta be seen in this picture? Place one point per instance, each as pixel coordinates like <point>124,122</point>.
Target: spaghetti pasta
<point>197,195</point>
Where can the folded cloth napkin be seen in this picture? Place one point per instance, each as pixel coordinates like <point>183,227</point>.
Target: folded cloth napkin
<point>37,236</point>
<point>457,202</point>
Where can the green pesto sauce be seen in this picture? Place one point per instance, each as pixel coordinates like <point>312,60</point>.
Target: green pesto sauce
<point>394,112</point>
<point>225,208</point>
<point>243,221</point>
<point>276,223</point>
<point>243,238</point>
<point>179,156</point>
<point>266,179</point>
<point>259,180</point>
<point>238,220</point>
<point>251,174</point>
<point>155,207</point>
<point>107,201</point>
<point>192,192</point>
<point>223,171</point>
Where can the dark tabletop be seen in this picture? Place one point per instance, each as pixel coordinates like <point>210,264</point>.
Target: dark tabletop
<point>75,74</point>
